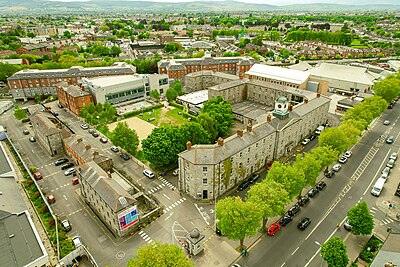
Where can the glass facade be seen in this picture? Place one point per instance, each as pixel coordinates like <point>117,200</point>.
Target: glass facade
<point>126,95</point>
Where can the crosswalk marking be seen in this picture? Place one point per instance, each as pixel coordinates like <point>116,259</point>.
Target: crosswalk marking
<point>175,204</point>
<point>145,237</point>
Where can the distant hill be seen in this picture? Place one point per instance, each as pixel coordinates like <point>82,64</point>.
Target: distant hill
<point>53,7</point>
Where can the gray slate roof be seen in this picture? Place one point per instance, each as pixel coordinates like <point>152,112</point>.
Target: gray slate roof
<point>41,121</point>
<point>107,188</point>
<point>84,150</point>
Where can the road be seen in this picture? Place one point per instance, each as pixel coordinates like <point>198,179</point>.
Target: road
<point>180,216</point>
<point>293,247</point>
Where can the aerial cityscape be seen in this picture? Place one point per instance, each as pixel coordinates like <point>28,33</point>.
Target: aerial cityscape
<point>199,133</point>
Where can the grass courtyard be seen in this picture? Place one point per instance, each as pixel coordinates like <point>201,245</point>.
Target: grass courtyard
<point>162,116</point>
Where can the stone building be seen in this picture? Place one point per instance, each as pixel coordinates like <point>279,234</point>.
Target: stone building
<point>197,81</point>
<point>25,84</point>
<point>73,97</point>
<point>47,131</point>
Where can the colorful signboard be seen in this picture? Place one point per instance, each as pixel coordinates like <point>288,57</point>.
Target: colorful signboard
<point>128,218</point>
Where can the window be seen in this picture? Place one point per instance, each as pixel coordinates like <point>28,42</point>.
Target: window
<point>256,144</point>
<point>248,160</point>
<point>204,169</point>
<point>240,154</point>
<point>204,181</point>
<point>248,150</point>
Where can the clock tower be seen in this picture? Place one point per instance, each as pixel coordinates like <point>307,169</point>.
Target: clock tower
<point>281,110</point>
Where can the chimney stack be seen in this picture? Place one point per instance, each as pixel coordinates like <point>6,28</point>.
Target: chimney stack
<point>95,153</point>
<point>290,107</point>
<point>269,118</point>
<point>220,141</point>
<point>305,100</point>
<point>109,175</point>
<point>249,127</point>
<point>239,132</point>
<point>318,94</point>
<point>87,147</point>
<point>79,140</point>
<point>188,145</point>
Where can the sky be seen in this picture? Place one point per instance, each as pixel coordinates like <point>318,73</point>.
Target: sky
<point>280,2</point>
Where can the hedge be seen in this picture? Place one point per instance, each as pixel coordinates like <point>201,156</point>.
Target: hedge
<point>174,104</point>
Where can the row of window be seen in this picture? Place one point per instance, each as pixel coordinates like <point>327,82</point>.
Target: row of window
<point>125,93</point>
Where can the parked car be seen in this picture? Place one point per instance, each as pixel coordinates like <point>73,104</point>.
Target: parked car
<point>91,130</point>
<point>294,209</point>
<point>243,185</point>
<point>60,161</point>
<point>329,174</point>
<point>175,172</point>
<point>386,170</point>
<point>348,154</point>
<point>304,223</point>
<point>269,165</point>
<point>51,199</point>
<point>76,241</point>
<point>304,200</point>
<point>305,141</point>
<point>347,225</point>
<point>75,181</point>
<point>386,122</point>
<point>95,134</point>
<point>313,191</point>
<point>70,171</point>
<point>125,156</point>
<point>114,149</point>
<point>390,139</point>
<point>336,167</point>
<point>273,229</point>
<point>103,140</point>
<point>285,219</point>
<point>38,176</point>
<point>320,185</point>
<point>149,174</point>
<point>32,139</point>
<point>67,166</point>
<point>254,178</point>
<point>342,159</point>
<point>393,156</point>
<point>312,137</point>
<point>66,225</point>
<point>25,131</point>
<point>84,126</point>
<point>390,163</point>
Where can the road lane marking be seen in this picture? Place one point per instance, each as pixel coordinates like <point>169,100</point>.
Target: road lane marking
<point>167,196</point>
<point>295,250</point>
<point>283,264</point>
<point>169,216</point>
<point>380,167</point>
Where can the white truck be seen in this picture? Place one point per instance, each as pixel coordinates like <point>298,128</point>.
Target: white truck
<point>319,130</point>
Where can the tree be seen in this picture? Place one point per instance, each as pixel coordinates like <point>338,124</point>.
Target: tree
<point>67,60</point>
<point>325,155</point>
<point>351,132</point>
<point>310,165</point>
<point>334,252</point>
<point>125,137</point>
<point>387,88</point>
<point>163,255</point>
<point>115,51</point>
<point>360,219</point>
<point>155,94</point>
<point>209,124</point>
<point>194,133</point>
<point>292,179</point>
<point>237,219</point>
<point>334,138</point>
<point>270,197</point>
<point>19,113</point>
<point>171,47</point>
<point>221,111</point>
<point>177,86</point>
<point>171,94</point>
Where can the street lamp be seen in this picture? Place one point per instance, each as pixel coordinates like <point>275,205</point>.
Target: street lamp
<point>320,246</point>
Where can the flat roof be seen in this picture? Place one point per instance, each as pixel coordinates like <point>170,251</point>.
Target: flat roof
<point>278,73</point>
<point>113,80</point>
<point>195,98</point>
<point>5,166</point>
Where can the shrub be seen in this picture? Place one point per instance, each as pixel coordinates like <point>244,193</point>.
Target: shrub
<point>137,112</point>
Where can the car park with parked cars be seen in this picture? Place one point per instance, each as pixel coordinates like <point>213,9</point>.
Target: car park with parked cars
<point>149,174</point>
<point>273,229</point>
<point>294,209</point>
<point>70,171</point>
<point>313,191</point>
<point>60,162</point>
<point>67,166</point>
<point>302,225</point>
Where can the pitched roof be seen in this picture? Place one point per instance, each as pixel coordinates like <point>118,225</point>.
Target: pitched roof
<point>84,150</point>
<point>42,122</point>
<point>278,73</point>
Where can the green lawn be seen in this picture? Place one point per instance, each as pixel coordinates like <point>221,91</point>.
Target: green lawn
<point>357,44</point>
<point>161,117</point>
<point>149,115</point>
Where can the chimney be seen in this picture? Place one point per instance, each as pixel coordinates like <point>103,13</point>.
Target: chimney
<point>95,153</point>
<point>109,175</point>
<point>87,147</point>
<point>220,141</point>
<point>188,145</point>
<point>318,94</point>
<point>239,132</point>
<point>290,107</point>
<point>305,100</point>
<point>79,140</point>
<point>269,118</point>
<point>249,127</point>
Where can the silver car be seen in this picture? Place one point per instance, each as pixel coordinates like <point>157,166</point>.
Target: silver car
<point>69,171</point>
<point>336,167</point>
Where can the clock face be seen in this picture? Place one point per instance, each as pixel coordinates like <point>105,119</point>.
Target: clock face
<point>284,106</point>
<point>279,106</point>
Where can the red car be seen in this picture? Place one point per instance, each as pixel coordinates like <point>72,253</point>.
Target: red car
<point>269,165</point>
<point>38,176</point>
<point>75,181</point>
<point>273,229</point>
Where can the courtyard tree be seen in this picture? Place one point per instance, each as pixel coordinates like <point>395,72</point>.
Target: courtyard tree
<point>171,94</point>
<point>221,111</point>
<point>156,254</point>
<point>209,124</point>
<point>237,219</point>
<point>19,113</point>
<point>125,137</point>
<point>334,138</point>
<point>334,252</point>
<point>292,178</point>
<point>310,165</point>
<point>115,51</point>
<point>270,197</point>
<point>177,86</point>
<point>360,219</point>
<point>194,133</point>
<point>155,94</point>
<point>387,88</point>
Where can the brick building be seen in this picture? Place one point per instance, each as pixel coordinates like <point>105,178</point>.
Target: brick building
<point>178,68</point>
<point>25,84</point>
<point>73,97</point>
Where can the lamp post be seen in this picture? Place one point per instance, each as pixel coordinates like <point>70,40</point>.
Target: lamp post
<point>320,246</point>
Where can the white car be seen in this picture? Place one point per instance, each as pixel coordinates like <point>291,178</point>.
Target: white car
<point>393,156</point>
<point>69,171</point>
<point>348,154</point>
<point>114,149</point>
<point>305,141</point>
<point>175,172</point>
<point>84,126</point>
<point>336,167</point>
<point>342,159</point>
<point>77,241</point>
<point>149,173</point>
<point>386,122</point>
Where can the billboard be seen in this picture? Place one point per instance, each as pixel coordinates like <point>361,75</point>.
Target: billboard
<point>127,218</point>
